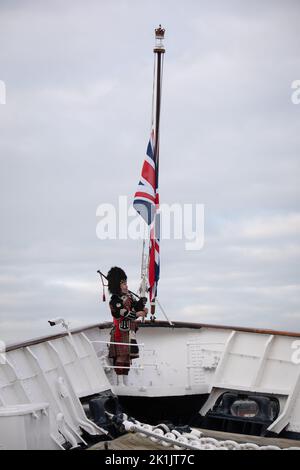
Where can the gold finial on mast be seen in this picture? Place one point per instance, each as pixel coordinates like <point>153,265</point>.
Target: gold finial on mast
<point>159,37</point>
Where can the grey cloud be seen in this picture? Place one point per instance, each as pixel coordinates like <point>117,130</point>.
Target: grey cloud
<point>74,132</point>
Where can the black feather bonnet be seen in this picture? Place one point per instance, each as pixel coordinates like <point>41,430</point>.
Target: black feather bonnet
<point>114,277</point>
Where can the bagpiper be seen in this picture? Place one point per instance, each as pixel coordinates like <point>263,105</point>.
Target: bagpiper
<point>125,310</point>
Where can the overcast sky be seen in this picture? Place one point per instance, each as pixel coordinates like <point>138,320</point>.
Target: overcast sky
<point>74,130</point>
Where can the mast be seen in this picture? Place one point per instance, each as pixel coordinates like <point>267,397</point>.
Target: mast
<point>146,200</point>
<point>154,255</point>
<point>144,271</point>
<point>158,50</point>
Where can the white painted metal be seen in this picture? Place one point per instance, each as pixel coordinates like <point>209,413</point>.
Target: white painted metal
<point>214,360</point>
<point>248,365</point>
<point>162,369</point>
<point>224,357</point>
<point>58,372</point>
<point>288,414</point>
<point>173,362</point>
<point>81,364</point>
<point>260,363</point>
<point>39,376</point>
<point>25,427</point>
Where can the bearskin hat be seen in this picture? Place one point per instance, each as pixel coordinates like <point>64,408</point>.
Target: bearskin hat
<point>114,277</point>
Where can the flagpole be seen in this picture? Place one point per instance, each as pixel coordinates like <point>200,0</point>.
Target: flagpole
<point>158,50</point>
<point>146,198</point>
<point>144,285</point>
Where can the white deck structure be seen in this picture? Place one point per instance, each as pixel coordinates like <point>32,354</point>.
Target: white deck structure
<point>42,381</point>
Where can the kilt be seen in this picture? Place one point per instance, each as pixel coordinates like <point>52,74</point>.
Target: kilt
<point>122,354</point>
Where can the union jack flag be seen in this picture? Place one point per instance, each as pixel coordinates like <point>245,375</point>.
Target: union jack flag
<point>146,203</point>
<point>145,197</point>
